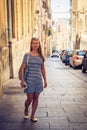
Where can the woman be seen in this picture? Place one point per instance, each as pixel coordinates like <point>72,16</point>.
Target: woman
<point>33,80</point>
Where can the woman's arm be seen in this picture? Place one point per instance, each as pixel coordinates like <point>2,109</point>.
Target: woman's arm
<point>44,75</point>
<point>23,70</point>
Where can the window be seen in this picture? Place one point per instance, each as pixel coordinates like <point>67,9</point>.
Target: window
<point>81,53</point>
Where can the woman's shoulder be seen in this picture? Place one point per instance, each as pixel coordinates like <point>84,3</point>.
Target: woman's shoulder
<point>26,55</point>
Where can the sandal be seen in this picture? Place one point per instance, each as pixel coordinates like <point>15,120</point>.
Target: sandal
<point>26,114</point>
<point>26,117</point>
<point>34,119</point>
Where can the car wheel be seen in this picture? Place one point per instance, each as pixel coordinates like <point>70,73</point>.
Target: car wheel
<point>83,70</point>
<point>74,65</point>
<point>70,65</point>
<point>65,63</point>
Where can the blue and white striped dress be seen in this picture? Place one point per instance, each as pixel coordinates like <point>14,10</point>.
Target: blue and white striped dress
<point>33,77</point>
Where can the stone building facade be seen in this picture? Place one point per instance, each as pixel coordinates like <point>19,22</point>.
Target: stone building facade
<point>79,24</point>
<point>20,20</point>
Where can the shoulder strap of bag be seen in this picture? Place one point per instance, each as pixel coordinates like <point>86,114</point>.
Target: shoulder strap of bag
<point>27,58</point>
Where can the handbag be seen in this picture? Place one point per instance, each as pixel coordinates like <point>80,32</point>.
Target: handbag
<point>20,70</point>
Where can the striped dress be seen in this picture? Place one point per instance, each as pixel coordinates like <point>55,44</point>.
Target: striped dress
<point>33,77</point>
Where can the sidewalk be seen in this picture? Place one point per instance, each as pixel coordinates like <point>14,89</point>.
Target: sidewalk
<point>51,114</point>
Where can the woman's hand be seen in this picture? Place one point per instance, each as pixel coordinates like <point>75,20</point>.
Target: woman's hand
<point>45,84</point>
<point>22,83</point>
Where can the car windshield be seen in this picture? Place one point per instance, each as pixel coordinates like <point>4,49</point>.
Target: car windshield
<point>54,51</point>
<point>70,52</point>
<point>81,53</point>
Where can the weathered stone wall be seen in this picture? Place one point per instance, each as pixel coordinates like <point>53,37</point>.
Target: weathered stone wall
<point>4,67</point>
<point>5,64</point>
<point>83,44</point>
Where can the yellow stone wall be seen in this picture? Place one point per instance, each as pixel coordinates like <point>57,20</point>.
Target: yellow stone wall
<point>4,53</point>
<point>3,24</point>
<point>14,45</point>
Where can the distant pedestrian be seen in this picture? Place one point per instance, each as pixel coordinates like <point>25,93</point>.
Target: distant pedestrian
<point>35,76</point>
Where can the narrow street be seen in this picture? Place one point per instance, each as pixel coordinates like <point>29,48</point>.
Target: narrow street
<point>62,105</point>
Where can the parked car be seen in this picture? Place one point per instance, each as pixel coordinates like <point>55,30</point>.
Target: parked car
<point>66,56</point>
<point>84,63</point>
<point>61,54</point>
<point>55,53</point>
<point>76,59</point>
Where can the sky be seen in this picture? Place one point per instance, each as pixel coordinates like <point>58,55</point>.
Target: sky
<point>60,8</point>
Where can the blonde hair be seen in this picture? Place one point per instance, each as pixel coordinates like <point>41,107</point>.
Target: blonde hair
<point>39,49</point>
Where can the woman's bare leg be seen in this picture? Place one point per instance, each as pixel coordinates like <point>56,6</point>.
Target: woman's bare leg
<point>34,104</point>
<point>27,103</point>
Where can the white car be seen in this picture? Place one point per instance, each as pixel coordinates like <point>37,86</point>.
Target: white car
<point>76,59</point>
<point>55,53</point>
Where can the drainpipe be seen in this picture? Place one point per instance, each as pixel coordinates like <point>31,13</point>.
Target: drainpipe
<point>9,38</point>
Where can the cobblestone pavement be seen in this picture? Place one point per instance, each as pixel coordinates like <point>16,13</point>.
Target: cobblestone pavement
<point>62,105</point>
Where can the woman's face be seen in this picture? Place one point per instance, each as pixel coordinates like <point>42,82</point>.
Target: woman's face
<point>35,44</point>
